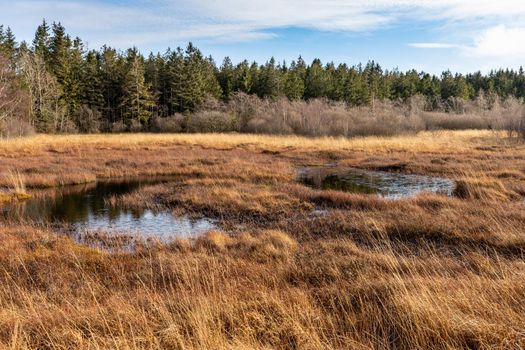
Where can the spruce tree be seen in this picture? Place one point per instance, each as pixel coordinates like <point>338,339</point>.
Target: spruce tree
<point>41,42</point>
<point>316,81</point>
<point>92,86</point>
<point>137,100</point>
<point>226,78</point>
<point>8,45</point>
<point>294,86</point>
<point>269,82</point>
<point>113,69</point>
<point>242,79</point>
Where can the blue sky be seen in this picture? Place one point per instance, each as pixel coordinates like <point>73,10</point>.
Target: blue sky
<point>430,35</point>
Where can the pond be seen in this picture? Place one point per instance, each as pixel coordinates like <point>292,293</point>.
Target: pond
<point>386,184</point>
<point>86,209</point>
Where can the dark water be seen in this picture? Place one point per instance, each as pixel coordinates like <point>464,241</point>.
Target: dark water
<point>85,209</point>
<point>386,184</point>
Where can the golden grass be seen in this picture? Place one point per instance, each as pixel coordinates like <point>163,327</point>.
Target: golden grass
<point>17,188</point>
<point>256,291</point>
<point>430,272</point>
<point>53,160</point>
<point>17,181</point>
<point>421,142</point>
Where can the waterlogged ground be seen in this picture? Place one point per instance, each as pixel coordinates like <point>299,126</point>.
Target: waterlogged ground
<point>386,184</point>
<point>87,209</point>
<point>294,267</point>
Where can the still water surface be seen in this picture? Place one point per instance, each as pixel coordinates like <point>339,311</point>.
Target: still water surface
<point>386,184</point>
<point>86,209</point>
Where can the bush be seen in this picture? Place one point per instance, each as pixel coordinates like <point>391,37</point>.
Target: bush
<point>450,121</point>
<point>135,126</point>
<point>245,107</point>
<point>118,127</point>
<point>175,123</point>
<point>322,117</point>
<point>326,118</point>
<point>88,120</point>
<point>512,118</point>
<point>211,121</point>
<point>15,128</point>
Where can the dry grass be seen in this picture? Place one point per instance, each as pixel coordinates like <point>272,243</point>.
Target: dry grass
<point>366,273</point>
<point>17,187</point>
<point>51,160</point>
<point>423,141</point>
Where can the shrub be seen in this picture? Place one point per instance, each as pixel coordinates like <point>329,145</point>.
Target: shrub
<point>174,123</point>
<point>245,107</point>
<point>512,118</point>
<point>15,128</point>
<point>118,127</point>
<point>88,120</point>
<point>450,121</point>
<point>211,121</point>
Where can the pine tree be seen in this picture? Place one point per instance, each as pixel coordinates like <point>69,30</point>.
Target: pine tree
<point>226,78</point>
<point>242,79</point>
<point>58,53</point>
<point>212,88</point>
<point>74,79</point>
<point>113,69</point>
<point>175,81</point>
<point>137,101</point>
<point>294,86</point>
<point>338,80</point>
<point>193,78</point>
<point>316,81</point>
<point>41,41</point>
<point>92,87</point>
<point>269,82</point>
<point>8,45</point>
<point>355,92</point>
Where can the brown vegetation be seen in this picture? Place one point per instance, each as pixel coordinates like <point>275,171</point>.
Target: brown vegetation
<point>321,117</point>
<point>361,272</point>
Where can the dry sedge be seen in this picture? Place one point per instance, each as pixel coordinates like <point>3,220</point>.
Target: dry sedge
<point>429,272</point>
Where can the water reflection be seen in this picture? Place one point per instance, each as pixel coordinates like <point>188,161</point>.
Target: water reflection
<point>386,184</point>
<point>85,209</point>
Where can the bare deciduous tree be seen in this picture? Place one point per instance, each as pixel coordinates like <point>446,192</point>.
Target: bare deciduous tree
<point>47,110</point>
<point>13,100</point>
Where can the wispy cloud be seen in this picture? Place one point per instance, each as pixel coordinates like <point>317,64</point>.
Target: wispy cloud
<point>476,28</point>
<point>256,16</point>
<point>433,45</point>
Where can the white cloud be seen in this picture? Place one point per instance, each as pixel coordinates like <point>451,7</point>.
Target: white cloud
<point>473,26</point>
<point>433,45</point>
<point>498,41</point>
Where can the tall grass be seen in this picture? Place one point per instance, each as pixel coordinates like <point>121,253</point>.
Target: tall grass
<point>430,272</point>
<point>16,181</point>
<point>257,291</point>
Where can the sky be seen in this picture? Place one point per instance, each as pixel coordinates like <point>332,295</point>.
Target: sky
<point>429,35</point>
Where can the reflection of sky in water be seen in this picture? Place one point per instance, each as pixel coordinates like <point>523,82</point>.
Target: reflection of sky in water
<point>148,223</point>
<point>389,185</point>
<point>86,209</point>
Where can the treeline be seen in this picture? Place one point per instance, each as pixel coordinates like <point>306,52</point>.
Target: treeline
<point>61,86</point>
